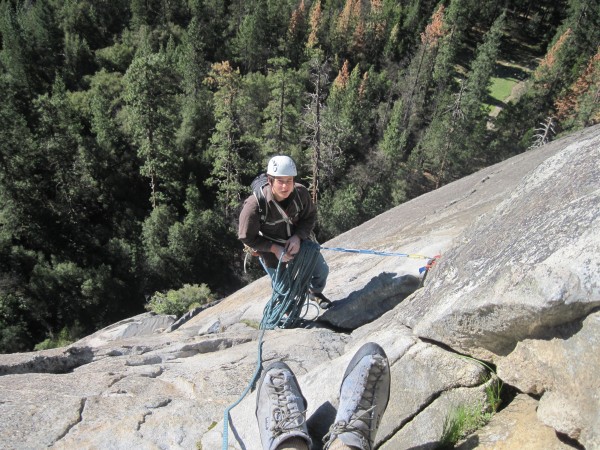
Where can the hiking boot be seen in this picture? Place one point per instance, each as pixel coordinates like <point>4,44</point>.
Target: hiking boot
<point>280,407</point>
<point>320,299</point>
<point>364,395</point>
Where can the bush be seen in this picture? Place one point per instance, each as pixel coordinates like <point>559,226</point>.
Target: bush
<point>178,302</point>
<point>62,340</point>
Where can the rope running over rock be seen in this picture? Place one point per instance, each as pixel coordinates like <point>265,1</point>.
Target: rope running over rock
<point>290,292</point>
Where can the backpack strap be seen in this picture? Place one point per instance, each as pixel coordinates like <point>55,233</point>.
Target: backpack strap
<point>258,185</point>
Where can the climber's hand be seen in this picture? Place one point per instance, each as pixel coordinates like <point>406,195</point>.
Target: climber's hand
<point>292,246</point>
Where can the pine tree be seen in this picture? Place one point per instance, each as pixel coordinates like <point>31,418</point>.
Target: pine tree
<point>418,82</point>
<point>179,255</point>
<point>313,119</point>
<point>13,54</point>
<point>580,106</point>
<point>315,25</point>
<point>57,192</point>
<point>225,143</point>
<point>251,41</point>
<point>211,19</point>
<point>377,21</point>
<point>549,71</point>
<point>456,134</point>
<point>297,34</point>
<point>394,136</point>
<point>453,30</point>
<point>482,69</point>
<point>31,46</point>
<point>151,91</point>
<point>282,127</point>
<point>196,109</point>
<point>64,185</point>
<point>156,12</point>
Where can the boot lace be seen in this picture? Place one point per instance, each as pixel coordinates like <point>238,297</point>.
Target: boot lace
<point>286,415</point>
<point>361,420</point>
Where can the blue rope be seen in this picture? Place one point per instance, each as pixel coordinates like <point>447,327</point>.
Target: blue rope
<point>233,405</point>
<point>290,288</point>
<point>375,252</point>
<point>290,291</point>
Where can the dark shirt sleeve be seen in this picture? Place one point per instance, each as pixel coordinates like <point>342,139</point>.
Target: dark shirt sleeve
<point>250,225</point>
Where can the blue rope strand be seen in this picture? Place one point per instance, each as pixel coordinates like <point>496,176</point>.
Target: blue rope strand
<point>375,252</point>
<point>290,290</point>
<point>233,405</point>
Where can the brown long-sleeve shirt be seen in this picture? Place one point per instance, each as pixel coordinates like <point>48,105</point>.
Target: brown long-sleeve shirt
<point>300,218</point>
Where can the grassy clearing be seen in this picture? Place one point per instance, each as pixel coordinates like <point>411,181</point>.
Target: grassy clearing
<point>501,88</point>
<point>506,76</point>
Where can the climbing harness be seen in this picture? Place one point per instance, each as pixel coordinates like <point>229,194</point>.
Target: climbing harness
<point>290,296</point>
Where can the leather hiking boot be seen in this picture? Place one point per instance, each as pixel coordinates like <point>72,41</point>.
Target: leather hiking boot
<point>280,407</point>
<point>364,395</point>
<point>320,299</point>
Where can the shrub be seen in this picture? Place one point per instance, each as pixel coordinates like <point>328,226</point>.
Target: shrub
<point>61,340</point>
<point>461,422</point>
<point>178,302</point>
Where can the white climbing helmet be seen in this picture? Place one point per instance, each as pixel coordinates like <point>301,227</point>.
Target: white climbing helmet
<point>281,166</point>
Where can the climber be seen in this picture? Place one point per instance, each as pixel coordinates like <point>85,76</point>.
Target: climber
<point>277,217</point>
<point>364,395</point>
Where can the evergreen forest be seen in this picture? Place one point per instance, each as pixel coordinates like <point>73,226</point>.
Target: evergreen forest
<point>130,130</point>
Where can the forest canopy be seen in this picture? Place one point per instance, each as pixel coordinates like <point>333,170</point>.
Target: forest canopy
<point>130,130</point>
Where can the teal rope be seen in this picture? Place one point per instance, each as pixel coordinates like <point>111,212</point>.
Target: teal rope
<point>290,288</point>
<point>290,291</point>
<point>233,405</point>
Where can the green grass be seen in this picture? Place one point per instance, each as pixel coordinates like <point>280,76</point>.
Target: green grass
<point>506,76</point>
<point>501,88</point>
<point>461,422</point>
<point>251,323</point>
<point>465,419</point>
<point>493,392</point>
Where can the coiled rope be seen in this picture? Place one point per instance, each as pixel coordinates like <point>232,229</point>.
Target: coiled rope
<point>290,291</point>
<point>290,288</point>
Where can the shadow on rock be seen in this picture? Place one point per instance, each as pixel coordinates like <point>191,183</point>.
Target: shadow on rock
<point>319,422</point>
<point>47,361</point>
<point>379,296</point>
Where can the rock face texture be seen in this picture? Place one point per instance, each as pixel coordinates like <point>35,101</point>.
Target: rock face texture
<point>517,288</point>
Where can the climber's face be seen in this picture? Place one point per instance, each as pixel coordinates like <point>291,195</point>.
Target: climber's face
<point>281,187</point>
